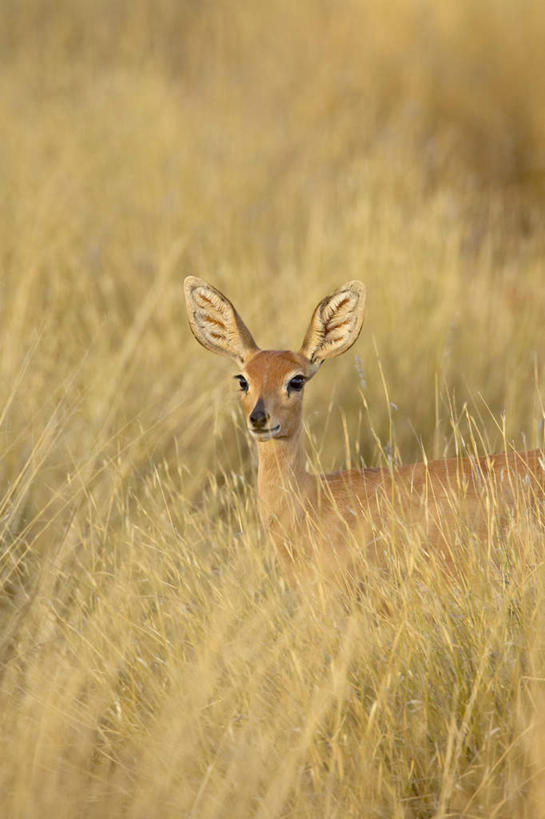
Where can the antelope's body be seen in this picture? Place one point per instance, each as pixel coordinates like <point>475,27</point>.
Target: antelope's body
<point>321,510</point>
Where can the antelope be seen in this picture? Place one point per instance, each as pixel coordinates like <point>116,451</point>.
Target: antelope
<point>355,505</point>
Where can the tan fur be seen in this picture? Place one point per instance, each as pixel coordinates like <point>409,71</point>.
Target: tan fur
<point>326,514</point>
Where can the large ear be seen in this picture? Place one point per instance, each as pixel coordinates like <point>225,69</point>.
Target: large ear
<point>336,323</point>
<point>215,323</point>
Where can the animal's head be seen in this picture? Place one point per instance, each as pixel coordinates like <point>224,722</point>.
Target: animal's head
<point>272,381</point>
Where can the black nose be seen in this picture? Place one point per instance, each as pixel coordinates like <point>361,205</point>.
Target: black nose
<point>258,416</point>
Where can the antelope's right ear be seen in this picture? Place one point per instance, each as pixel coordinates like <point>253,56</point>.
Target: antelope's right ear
<point>215,323</point>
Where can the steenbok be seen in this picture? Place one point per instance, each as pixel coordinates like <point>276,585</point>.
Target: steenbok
<point>326,514</point>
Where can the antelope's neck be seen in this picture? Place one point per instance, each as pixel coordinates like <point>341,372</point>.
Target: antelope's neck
<point>282,480</point>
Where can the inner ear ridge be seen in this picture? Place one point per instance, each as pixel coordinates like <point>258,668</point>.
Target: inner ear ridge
<point>345,301</point>
<point>203,297</point>
<point>345,304</point>
<point>345,322</point>
<point>208,306</point>
<point>211,320</point>
<point>207,302</point>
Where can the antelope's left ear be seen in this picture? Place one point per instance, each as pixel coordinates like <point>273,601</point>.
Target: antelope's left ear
<point>335,324</point>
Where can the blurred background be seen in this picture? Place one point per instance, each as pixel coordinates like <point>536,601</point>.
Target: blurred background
<point>277,150</point>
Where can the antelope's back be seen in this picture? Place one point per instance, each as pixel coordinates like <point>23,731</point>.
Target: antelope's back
<point>443,500</point>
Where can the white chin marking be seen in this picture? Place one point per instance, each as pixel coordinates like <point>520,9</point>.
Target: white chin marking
<point>266,434</point>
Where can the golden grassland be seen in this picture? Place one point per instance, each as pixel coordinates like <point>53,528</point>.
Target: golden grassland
<point>153,661</point>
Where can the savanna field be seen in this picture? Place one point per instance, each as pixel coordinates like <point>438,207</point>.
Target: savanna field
<point>154,661</point>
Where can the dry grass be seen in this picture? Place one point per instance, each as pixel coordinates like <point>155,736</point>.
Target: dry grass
<point>153,663</point>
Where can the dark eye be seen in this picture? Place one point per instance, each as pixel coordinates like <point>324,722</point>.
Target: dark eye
<point>244,386</point>
<point>296,383</point>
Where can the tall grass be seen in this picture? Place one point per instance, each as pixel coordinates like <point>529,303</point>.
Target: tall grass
<point>154,662</point>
